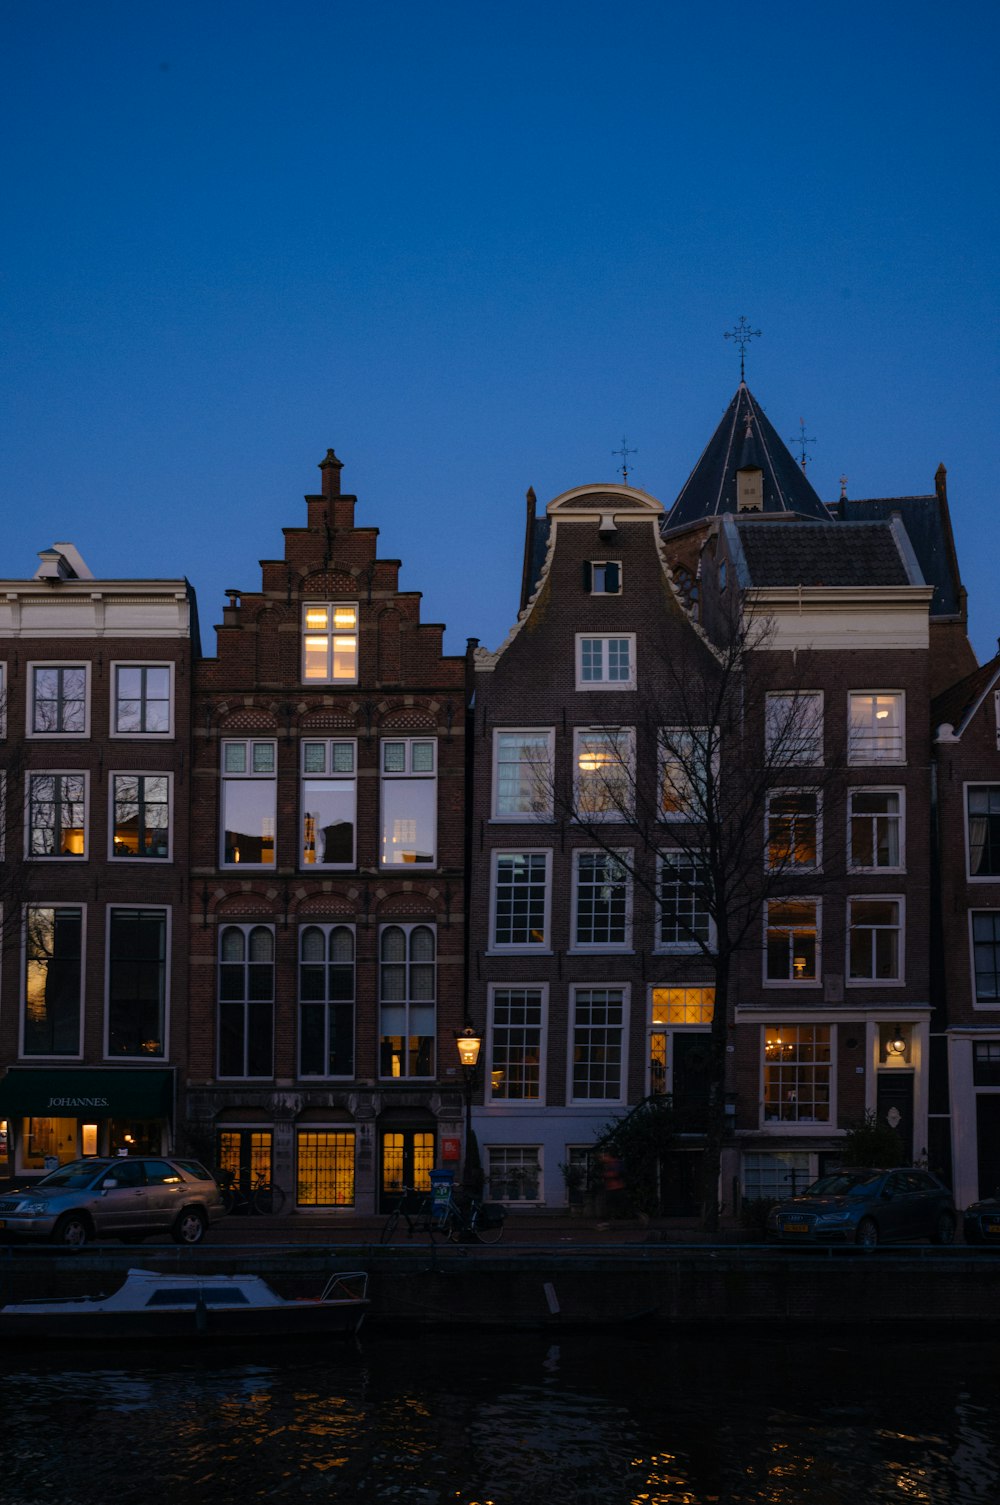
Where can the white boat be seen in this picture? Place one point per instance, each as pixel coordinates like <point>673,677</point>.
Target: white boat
<point>149,1305</point>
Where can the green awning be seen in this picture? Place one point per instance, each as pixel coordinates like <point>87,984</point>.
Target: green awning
<point>76,1092</point>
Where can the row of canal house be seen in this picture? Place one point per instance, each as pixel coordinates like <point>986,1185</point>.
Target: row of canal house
<point>250,899</point>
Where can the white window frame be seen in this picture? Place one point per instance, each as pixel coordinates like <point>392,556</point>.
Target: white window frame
<point>144,736</point>
<point>33,667</point>
<point>543,780</point>
<point>899,818</point>
<point>597,577</point>
<point>900,932</point>
<point>781,732</point>
<point>530,948</point>
<point>625,859</point>
<point>536,1152</point>
<point>800,1126</point>
<point>691,801</point>
<point>409,776</point>
<point>860,756</point>
<point>69,858</point>
<point>988,1005</point>
<point>518,1104</point>
<point>967,789</point>
<point>329,775</point>
<point>248,775</point>
<point>792,866</point>
<point>167,911</point>
<point>670,1030</point>
<point>76,1055</point>
<point>140,773</point>
<point>575,989</point>
<point>622,743</point>
<point>247,927</point>
<point>604,683</point>
<point>332,634</point>
<point>326,927</point>
<point>795,982</point>
<point>665,859</point>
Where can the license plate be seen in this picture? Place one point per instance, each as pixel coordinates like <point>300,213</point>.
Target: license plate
<point>795,1228</point>
<point>987,1227</point>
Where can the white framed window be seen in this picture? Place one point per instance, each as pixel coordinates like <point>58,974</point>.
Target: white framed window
<point>876,730</point>
<point>604,772</point>
<point>329,802</point>
<point>516,1070</point>
<point>794,831</point>
<point>409,801</point>
<point>984,927</point>
<point>57,816</point>
<point>797,1072</point>
<point>58,700</point>
<point>792,942</point>
<point>138,951</point>
<point>602,901</point>
<point>54,948</point>
<point>522,773</point>
<point>519,918</point>
<point>683,921</point>
<point>772,1175</point>
<point>326,1001</point>
<point>793,728</point>
<point>249,802</point>
<point>140,817</point>
<point>875,830</point>
<point>605,663</point>
<point>688,763</point>
<point>602,577</point>
<point>983,830</point>
<point>142,700</point>
<point>408,1000</point>
<point>246,1001</point>
<point>598,1044</point>
<point>680,1018</point>
<point>330,642</point>
<point>874,939</point>
<point>514,1172</point>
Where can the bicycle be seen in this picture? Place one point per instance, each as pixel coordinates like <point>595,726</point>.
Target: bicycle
<point>472,1220</point>
<point>261,1196</point>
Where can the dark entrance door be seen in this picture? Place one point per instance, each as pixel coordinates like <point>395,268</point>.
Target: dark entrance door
<point>988,1142</point>
<point>246,1153</point>
<point>894,1107</point>
<point>406,1158</point>
<point>692,1063</point>
<point>680,1174</point>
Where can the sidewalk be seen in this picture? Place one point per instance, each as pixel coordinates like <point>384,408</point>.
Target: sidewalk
<point>532,1228</point>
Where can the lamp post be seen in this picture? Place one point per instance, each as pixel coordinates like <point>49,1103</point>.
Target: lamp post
<point>469,1045</point>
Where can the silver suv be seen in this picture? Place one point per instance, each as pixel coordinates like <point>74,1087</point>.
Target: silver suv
<point>126,1197</point>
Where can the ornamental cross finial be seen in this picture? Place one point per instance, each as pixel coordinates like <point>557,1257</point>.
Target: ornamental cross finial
<point>801,440</point>
<point>624,452</point>
<point>742,334</point>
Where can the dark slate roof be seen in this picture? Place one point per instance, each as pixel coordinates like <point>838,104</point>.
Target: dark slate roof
<point>800,553</point>
<point>744,438</point>
<point>954,704</point>
<point>929,532</point>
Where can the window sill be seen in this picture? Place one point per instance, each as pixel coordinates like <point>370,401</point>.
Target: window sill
<point>874,982</point>
<point>609,950</point>
<point>792,982</point>
<point>520,951</point>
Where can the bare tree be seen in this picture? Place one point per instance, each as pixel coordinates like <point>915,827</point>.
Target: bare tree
<point>707,810</point>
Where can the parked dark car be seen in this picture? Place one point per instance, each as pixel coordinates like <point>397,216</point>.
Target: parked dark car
<point>981,1222</point>
<point>867,1207</point>
<point>128,1197</point>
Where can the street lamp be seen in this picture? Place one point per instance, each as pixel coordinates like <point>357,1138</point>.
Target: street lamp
<point>469,1045</point>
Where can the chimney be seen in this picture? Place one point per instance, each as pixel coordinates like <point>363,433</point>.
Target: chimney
<point>331,468</point>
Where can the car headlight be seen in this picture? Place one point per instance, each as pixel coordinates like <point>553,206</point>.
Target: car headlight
<point>32,1209</point>
<point>833,1217</point>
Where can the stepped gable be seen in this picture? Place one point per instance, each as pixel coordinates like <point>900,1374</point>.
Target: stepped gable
<point>744,439</point>
<point>816,554</point>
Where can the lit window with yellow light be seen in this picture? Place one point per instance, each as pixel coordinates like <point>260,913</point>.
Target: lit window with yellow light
<point>330,643</point>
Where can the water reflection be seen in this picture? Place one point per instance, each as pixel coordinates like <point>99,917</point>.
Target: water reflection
<point>480,1419</point>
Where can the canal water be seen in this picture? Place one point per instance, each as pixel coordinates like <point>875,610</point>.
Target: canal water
<point>509,1419</point>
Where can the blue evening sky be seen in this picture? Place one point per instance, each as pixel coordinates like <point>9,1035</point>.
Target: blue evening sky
<point>471,246</point>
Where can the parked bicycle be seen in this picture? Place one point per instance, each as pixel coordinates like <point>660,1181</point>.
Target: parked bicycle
<point>460,1218</point>
<point>248,1193</point>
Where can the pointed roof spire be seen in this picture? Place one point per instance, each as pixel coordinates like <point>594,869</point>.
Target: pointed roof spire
<point>744,440</point>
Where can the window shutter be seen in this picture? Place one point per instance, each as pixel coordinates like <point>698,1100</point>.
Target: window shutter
<point>612,579</point>
<point>588,576</point>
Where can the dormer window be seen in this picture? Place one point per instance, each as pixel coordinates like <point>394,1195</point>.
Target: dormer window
<point>750,490</point>
<point>602,577</point>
